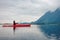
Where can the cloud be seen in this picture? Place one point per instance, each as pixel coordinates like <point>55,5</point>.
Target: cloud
<point>11,9</point>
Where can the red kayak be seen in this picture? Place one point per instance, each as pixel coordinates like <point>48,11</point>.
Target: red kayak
<point>16,25</point>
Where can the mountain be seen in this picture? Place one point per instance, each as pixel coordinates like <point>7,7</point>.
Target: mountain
<point>49,17</point>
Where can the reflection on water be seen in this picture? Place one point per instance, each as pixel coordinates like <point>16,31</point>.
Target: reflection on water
<point>35,32</point>
<point>30,33</point>
<point>51,31</point>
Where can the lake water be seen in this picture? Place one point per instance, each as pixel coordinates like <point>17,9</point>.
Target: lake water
<point>35,32</point>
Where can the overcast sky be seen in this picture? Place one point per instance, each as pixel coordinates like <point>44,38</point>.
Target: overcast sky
<point>25,10</point>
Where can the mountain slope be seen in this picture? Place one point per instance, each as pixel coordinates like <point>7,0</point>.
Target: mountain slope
<point>50,17</point>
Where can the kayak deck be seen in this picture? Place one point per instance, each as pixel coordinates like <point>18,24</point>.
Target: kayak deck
<point>17,25</point>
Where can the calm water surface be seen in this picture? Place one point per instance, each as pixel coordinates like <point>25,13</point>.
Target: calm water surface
<point>35,32</point>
